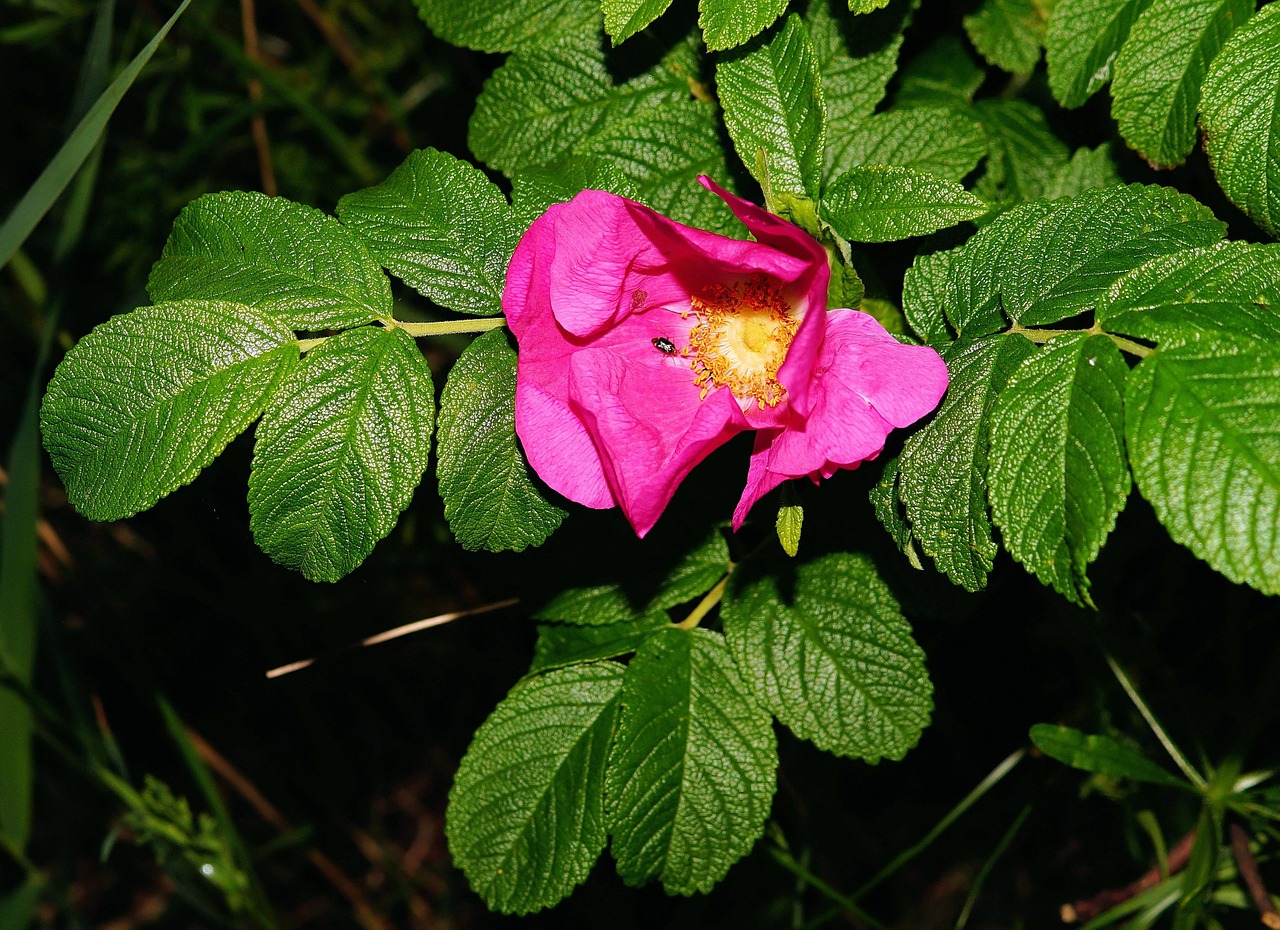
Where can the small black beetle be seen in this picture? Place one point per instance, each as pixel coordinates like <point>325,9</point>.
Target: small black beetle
<point>664,345</point>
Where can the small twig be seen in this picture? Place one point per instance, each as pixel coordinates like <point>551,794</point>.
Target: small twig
<point>1089,908</point>
<point>1248,867</point>
<point>258,122</point>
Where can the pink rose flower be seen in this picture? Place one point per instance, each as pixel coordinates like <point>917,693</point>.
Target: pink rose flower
<point>645,344</point>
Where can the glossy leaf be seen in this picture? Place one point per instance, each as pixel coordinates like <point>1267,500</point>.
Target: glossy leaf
<point>1240,116</point>
<point>536,189</point>
<point>833,659</point>
<point>1082,40</point>
<point>526,818</point>
<point>943,465</point>
<point>440,226</point>
<point>1058,474</point>
<point>729,23</point>
<point>490,499</point>
<point>507,25</point>
<point>340,450</point>
<point>692,773</point>
<point>1008,33</point>
<point>879,203</point>
<point>1202,422</point>
<point>292,261</point>
<point>140,405</point>
<point>624,18</point>
<point>1160,70</point>
<point>943,141</point>
<point>772,99</point>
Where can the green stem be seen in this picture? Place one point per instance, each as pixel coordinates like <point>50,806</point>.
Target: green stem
<point>1174,752</point>
<point>447,327</point>
<point>798,869</point>
<point>711,599</point>
<point>1041,336</point>
<point>306,345</point>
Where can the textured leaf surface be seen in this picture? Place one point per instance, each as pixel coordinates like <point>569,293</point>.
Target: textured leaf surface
<point>692,773</point>
<point>1160,71</point>
<point>1025,157</point>
<point>1088,168</point>
<point>942,141</point>
<point>866,6</point>
<point>536,189</point>
<point>295,262</point>
<point>340,451</point>
<point>1240,115</point>
<point>1058,474</point>
<point>140,405</point>
<point>1007,33</point>
<point>1074,252</point>
<point>1102,754</point>
<point>835,661</point>
<point>561,644</point>
<point>526,819</point>
<point>925,293</point>
<point>728,23</point>
<point>624,18</point>
<point>943,466</point>
<point>889,510</point>
<point>944,74</point>
<point>695,574</point>
<point>490,499</point>
<point>879,203</point>
<point>507,25</point>
<point>1082,41</point>
<point>1203,426</point>
<point>772,99</point>
<point>440,226</point>
<point>1229,288</point>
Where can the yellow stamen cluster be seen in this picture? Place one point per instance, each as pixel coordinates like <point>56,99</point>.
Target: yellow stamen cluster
<point>741,339</point>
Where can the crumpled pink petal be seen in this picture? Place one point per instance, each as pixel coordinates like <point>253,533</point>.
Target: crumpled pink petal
<point>865,385</point>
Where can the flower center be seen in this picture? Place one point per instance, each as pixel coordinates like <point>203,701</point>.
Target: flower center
<point>741,339</point>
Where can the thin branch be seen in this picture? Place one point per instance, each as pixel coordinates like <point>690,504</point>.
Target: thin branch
<point>1248,867</point>
<point>1088,908</point>
<point>710,600</point>
<point>258,122</point>
<point>1170,747</point>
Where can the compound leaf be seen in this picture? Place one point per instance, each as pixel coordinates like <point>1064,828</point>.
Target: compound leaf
<point>692,773</point>
<point>292,261</point>
<point>1082,40</point>
<point>772,99</point>
<point>490,500</point>
<point>140,405</point>
<point>1058,475</point>
<point>1161,68</point>
<point>835,662</point>
<point>943,466</point>
<point>881,203</point>
<point>1203,426</point>
<point>526,818</point>
<point>442,227</point>
<point>340,451</point>
<point>1240,116</point>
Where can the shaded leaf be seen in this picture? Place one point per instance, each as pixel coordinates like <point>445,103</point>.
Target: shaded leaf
<point>507,25</point>
<point>944,74</point>
<point>1025,157</point>
<point>1007,33</point>
<point>879,203</point>
<point>561,644</point>
<point>943,141</point>
<point>1088,168</point>
<point>1100,754</point>
<point>624,18</point>
<point>1081,42</point>
<point>729,23</point>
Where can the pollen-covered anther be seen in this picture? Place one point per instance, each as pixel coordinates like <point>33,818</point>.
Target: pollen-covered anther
<point>741,339</point>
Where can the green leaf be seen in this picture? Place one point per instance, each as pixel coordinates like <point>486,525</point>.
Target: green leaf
<point>1008,33</point>
<point>943,141</point>
<point>1240,116</point>
<point>340,451</point>
<point>691,775</point>
<point>866,6</point>
<point>1203,426</point>
<point>60,170</point>
<point>507,25</point>
<point>1161,68</point>
<point>1081,43</point>
<point>889,510</point>
<point>944,74</point>
<point>1228,288</point>
<point>600,605</point>
<point>442,227</point>
<point>490,500</point>
<point>788,525</point>
<point>1066,262</point>
<point>536,189</point>
<point>1058,474</point>
<point>834,661</point>
<point>1025,157</point>
<point>140,405</point>
<point>1088,168</point>
<point>853,80</point>
<point>1100,754</point>
<point>943,481</point>
<point>293,262</point>
<point>880,203</point>
<point>925,295</point>
<point>561,644</point>
<point>729,23</point>
<point>624,18</point>
<point>772,99</point>
<point>695,574</point>
<point>526,817</point>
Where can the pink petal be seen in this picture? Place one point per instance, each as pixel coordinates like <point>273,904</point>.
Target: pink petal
<point>559,448</point>
<point>649,425</point>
